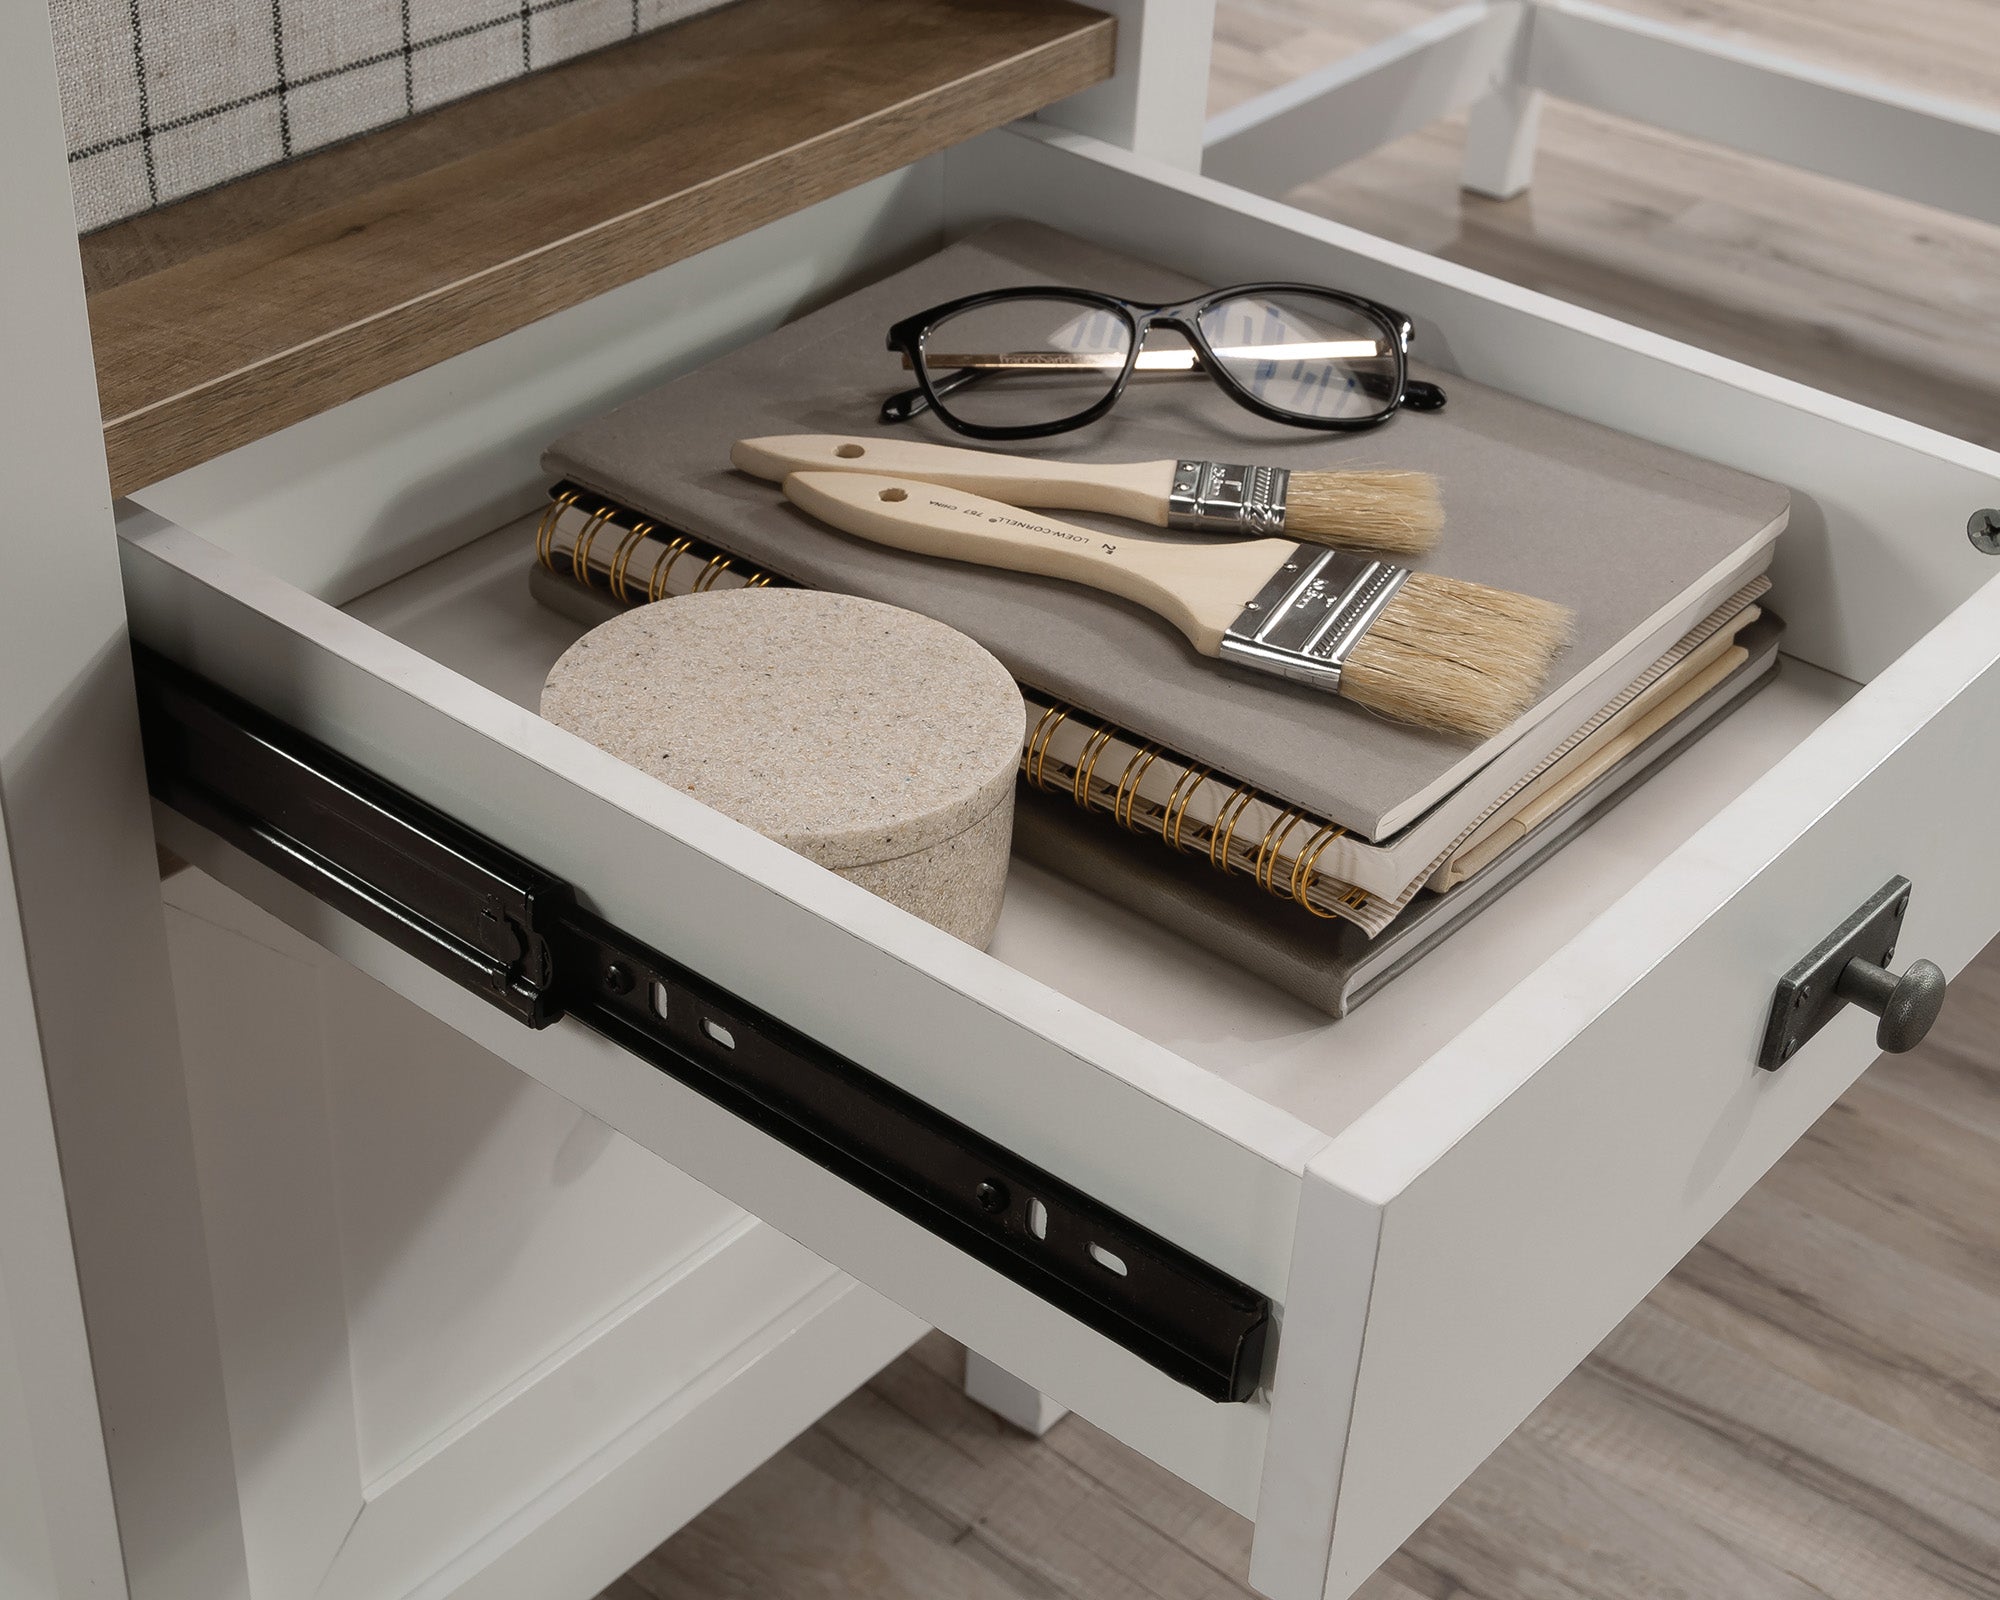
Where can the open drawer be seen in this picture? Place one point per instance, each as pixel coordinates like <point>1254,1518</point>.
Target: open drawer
<point>1444,1201</point>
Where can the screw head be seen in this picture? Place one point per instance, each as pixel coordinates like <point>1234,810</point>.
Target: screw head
<point>618,979</point>
<point>992,1195</point>
<point>1983,529</point>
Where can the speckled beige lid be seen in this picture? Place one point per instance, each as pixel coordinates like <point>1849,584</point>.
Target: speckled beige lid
<point>850,731</point>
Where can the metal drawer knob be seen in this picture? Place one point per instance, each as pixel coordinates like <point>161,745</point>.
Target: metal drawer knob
<point>1852,964</point>
<point>1907,1005</point>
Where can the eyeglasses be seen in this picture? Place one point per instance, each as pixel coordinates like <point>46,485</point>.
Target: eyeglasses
<point>1027,363</point>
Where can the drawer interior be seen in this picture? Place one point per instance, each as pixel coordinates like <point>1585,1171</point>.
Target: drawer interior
<point>472,611</point>
<point>411,508</point>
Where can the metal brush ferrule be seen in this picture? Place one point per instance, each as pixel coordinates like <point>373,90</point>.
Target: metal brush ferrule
<point>1227,497</point>
<point>1308,617</point>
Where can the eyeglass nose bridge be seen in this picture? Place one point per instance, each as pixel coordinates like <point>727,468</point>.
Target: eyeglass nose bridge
<point>1176,319</point>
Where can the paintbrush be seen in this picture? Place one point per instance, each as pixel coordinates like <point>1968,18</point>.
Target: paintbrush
<point>1394,512</point>
<point>1438,652</point>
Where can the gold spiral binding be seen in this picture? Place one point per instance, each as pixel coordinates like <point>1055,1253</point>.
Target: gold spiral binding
<point>1035,759</point>
<point>1305,870</point>
<point>545,531</point>
<point>663,564</point>
<point>718,564</point>
<point>579,555</point>
<point>1086,763</point>
<point>542,532</point>
<point>1129,781</point>
<point>1032,747</point>
<point>1034,733</point>
<point>1271,847</point>
<point>549,514</point>
<point>621,559</point>
<point>1222,837</point>
<point>635,540</point>
<point>1174,818</point>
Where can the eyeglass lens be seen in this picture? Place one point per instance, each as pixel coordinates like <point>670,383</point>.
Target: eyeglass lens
<point>1025,362</point>
<point>1302,354</point>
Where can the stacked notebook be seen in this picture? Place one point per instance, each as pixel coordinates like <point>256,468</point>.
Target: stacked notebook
<point>1373,831</point>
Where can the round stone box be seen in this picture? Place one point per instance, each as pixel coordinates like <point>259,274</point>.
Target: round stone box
<point>872,740</point>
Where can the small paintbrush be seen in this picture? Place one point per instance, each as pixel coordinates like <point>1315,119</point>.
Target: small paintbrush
<point>1395,512</point>
<point>1439,652</point>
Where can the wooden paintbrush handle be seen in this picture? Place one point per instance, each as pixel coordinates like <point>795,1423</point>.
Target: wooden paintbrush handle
<point>1199,588</point>
<point>1133,490</point>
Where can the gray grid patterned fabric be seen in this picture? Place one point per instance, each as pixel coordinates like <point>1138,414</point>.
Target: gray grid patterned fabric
<point>164,98</point>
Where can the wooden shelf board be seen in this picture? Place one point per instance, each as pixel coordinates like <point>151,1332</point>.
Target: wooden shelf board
<point>235,313</point>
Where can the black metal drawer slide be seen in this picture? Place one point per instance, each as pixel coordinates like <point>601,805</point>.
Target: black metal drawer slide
<point>501,927</point>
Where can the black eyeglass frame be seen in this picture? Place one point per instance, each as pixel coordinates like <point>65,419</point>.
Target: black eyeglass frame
<point>907,338</point>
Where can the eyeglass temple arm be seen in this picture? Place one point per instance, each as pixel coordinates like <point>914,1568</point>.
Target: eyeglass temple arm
<point>1421,396</point>
<point>907,403</point>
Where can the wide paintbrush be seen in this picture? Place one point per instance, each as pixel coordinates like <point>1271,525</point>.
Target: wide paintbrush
<point>1436,651</point>
<point>1397,513</point>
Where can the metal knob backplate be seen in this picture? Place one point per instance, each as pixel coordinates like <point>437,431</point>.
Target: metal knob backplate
<point>1851,965</point>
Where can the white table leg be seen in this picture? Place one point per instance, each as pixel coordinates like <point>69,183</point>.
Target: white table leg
<point>1153,102</point>
<point>1008,1398</point>
<point>1500,141</point>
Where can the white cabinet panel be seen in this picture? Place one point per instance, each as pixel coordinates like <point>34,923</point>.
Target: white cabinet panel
<point>484,1222</point>
<point>447,1299</point>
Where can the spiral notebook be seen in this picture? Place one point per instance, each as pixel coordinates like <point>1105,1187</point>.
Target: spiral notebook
<point>594,558</point>
<point>1641,541</point>
<point>1334,966</point>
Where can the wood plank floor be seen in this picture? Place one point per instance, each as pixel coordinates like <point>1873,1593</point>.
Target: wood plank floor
<point>1810,1405</point>
<point>1885,302</point>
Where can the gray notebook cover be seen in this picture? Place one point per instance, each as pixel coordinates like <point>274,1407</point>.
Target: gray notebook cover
<point>1636,538</point>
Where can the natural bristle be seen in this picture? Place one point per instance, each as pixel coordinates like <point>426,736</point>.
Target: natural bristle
<point>1455,656</point>
<point>1398,513</point>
